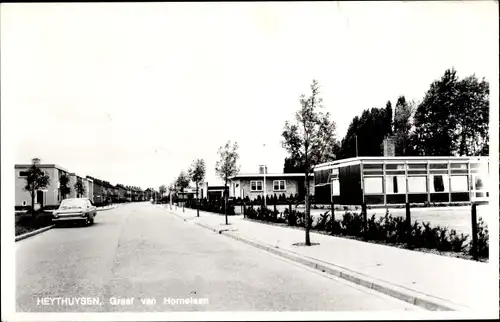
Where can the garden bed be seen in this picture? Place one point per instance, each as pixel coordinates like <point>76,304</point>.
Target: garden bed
<point>385,230</point>
<point>461,255</point>
<point>25,222</point>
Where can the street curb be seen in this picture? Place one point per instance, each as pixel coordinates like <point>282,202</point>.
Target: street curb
<point>413,297</point>
<point>33,233</point>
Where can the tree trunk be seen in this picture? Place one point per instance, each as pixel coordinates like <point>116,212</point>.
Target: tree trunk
<point>33,203</point>
<point>197,202</point>
<point>225,200</point>
<point>307,214</point>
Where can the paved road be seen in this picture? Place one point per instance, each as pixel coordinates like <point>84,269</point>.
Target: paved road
<point>140,251</point>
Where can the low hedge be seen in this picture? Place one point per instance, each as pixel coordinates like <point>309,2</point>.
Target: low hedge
<point>388,229</point>
<point>210,206</point>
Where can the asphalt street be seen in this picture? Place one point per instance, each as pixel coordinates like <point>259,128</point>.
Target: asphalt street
<point>141,258</point>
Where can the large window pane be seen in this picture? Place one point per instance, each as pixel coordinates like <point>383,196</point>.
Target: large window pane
<point>459,184</point>
<point>373,185</point>
<point>395,184</point>
<point>417,184</point>
<point>439,183</point>
<point>335,188</point>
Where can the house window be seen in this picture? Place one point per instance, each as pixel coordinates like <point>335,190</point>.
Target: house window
<point>256,185</point>
<point>279,185</point>
<point>23,173</point>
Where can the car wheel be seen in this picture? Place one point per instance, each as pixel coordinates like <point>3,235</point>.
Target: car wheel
<point>92,221</point>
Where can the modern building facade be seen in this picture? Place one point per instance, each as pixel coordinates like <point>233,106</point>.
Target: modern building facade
<point>397,180</point>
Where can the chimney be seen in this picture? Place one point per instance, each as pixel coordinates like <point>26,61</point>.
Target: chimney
<point>389,147</point>
<point>262,168</point>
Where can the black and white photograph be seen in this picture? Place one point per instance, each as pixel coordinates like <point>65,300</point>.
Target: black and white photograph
<point>295,160</point>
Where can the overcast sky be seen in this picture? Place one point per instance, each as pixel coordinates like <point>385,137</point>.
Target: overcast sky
<point>132,93</point>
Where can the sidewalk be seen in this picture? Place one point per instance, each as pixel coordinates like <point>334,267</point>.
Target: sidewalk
<point>429,280</point>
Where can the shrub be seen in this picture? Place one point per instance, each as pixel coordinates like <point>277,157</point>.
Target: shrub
<point>333,226</point>
<point>375,228</point>
<point>352,224</point>
<point>251,213</point>
<point>457,242</point>
<point>429,236</point>
<point>394,229</point>
<point>321,223</point>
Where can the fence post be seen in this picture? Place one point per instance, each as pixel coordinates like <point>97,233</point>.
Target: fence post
<point>290,216</point>
<point>474,231</point>
<point>363,210</point>
<point>333,215</point>
<point>408,225</point>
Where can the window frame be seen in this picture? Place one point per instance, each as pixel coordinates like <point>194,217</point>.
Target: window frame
<point>256,185</point>
<point>279,186</point>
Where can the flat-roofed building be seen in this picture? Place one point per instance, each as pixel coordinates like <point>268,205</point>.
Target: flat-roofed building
<point>397,180</point>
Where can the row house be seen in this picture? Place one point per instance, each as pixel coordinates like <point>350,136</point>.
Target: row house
<point>98,191</point>
<point>50,196</point>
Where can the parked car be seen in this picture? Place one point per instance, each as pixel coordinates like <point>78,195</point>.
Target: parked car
<point>75,210</point>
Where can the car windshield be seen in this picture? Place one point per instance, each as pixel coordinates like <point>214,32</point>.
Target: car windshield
<point>73,203</point>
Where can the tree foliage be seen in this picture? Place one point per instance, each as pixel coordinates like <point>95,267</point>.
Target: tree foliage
<point>79,188</point>
<point>310,139</point>
<point>368,133</point>
<point>162,189</point>
<point>64,187</point>
<point>452,119</point>
<point>227,166</point>
<point>402,126</point>
<point>36,179</point>
<point>197,172</point>
<point>182,181</point>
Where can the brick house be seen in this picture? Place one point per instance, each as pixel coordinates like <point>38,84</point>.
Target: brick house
<point>123,193</point>
<point>253,185</point>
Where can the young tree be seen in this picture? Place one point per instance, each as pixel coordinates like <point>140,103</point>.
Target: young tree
<point>197,175</point>
<point>311,139</point>
<point>36,179</point>
<point>79,188</point>
<point>182,183</point>
<point>227,167</point>
<point>64,188</point>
